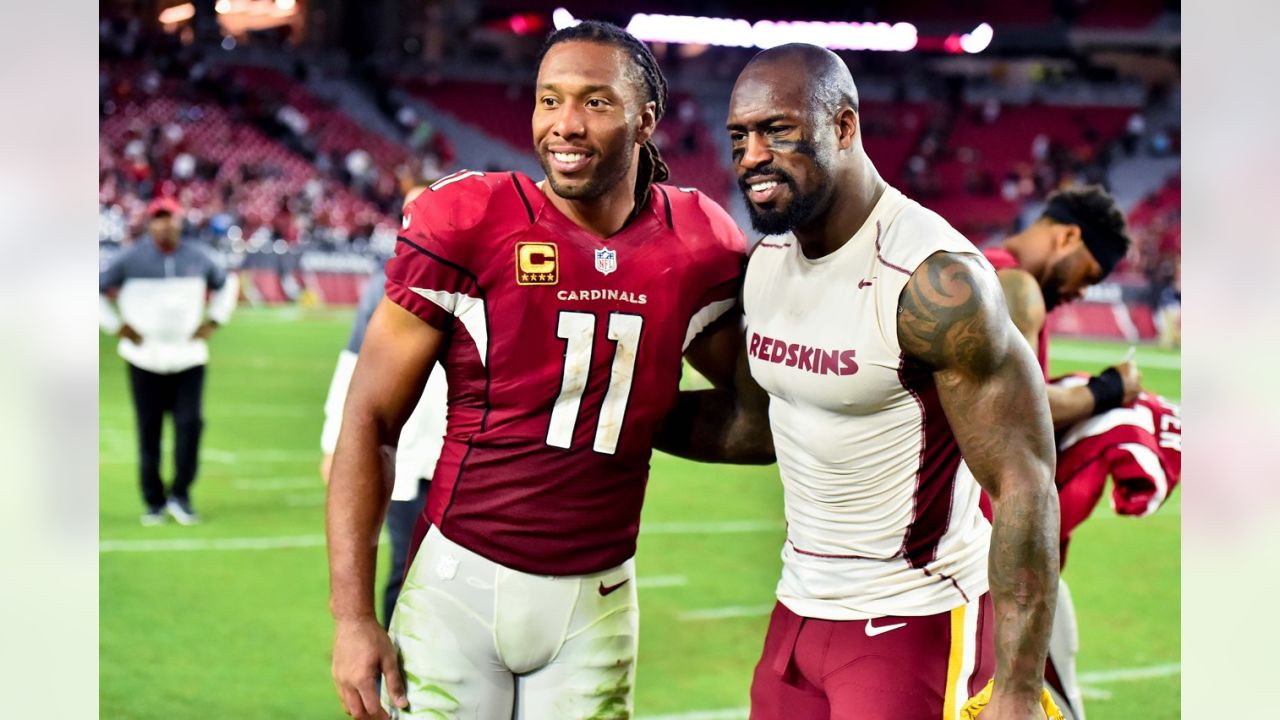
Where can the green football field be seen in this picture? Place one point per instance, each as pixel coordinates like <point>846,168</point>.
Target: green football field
<point>229,619</point>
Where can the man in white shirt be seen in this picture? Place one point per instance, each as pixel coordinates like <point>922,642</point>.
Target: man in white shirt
<point>896,390</point>
<point>163,316</point>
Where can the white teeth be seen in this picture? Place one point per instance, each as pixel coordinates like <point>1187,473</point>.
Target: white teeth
<point>568,157</point>
<point>766,185</point>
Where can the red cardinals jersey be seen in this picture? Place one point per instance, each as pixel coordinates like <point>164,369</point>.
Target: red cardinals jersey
<point>1002,259</point>
<point>1139,446</point>
<point>564,354</point>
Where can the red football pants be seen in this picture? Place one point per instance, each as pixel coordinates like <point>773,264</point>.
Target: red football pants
<point>888,668</point>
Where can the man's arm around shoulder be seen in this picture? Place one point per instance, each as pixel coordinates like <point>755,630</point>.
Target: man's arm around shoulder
<point>729,423</point>
<point>952,316</point>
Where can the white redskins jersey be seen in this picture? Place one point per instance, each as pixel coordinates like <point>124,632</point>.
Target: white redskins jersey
<point>882,513</point>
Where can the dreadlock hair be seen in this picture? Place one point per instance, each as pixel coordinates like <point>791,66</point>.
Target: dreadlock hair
<point>652,169</point>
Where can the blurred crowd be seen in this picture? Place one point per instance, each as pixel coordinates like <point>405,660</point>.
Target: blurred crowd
<point>250,153</point>
<point>261,162</point>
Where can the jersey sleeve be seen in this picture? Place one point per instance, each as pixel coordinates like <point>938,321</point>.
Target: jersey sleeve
<point>431,272</point>
<point>723,227</point>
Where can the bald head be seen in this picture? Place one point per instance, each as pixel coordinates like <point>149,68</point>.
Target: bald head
<point>819,74</point>
<point>793,130</point>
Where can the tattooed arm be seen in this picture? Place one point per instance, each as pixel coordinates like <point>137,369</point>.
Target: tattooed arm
<point>952,316</point>
<point>729,424</point>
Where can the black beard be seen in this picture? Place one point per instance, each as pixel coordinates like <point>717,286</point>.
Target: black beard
<point>803,207</point>
<point>795,214</point>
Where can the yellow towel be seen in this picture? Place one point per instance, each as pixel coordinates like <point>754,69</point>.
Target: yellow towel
<point>978,702</point>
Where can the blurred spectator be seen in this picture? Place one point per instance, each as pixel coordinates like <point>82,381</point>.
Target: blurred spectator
<point>162,321</point>
<point>1135,128</point>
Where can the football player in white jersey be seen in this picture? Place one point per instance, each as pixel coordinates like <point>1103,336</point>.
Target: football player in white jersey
<point>897,387</point>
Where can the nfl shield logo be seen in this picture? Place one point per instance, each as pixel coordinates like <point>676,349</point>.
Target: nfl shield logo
<point>606,260</point>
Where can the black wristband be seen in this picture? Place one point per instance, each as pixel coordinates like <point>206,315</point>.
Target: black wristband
<point>1107,388</point>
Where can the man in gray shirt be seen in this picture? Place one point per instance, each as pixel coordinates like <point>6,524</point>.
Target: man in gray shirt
<point>162,314</point>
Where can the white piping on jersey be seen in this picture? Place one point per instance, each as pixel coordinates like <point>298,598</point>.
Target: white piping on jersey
<point>1146,457</point>
<point>704,317</point>
<point>1138,416</point>
<point>469,310</point>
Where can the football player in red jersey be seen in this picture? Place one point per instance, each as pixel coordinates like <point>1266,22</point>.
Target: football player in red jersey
<point>560,312</point>
<point>1076,242</point>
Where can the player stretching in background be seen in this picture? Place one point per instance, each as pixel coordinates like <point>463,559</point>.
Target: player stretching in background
<point>1078,240</point>
<point>560,312</point>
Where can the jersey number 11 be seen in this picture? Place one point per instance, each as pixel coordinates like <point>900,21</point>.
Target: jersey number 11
<point>578,330</point>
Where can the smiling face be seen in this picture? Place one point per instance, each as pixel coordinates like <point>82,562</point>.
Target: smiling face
<point>589,119</point>
<point>782,158</point>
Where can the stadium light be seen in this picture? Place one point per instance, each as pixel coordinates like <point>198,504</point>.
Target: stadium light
<point>978,40</point>
<point>736,32</point>
<point>562,19</point>
<point>177,13</point>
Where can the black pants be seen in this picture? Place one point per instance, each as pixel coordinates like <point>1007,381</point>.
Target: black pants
<point>401,517</point>
<point>154,395</point>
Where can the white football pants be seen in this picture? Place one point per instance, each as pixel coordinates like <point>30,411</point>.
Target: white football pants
<point>1064,646</point>
<point>481,641</point>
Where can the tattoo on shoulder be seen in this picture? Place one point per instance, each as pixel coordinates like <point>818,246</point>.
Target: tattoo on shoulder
<point>945,313</point>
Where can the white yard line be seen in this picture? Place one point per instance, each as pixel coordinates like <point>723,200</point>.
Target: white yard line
<point>1102,677</point>
<point>228,457</point>
<point>710,528</point>
<point>292,482</point>
<point>190,544</point>
<point>309,500</point>
<point>722,613</point>
<point>267,543</point>
<point>661,581</point>
<point>219,455</point>
<point>1107,357</point>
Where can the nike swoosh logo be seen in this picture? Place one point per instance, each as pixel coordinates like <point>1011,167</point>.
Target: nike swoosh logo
<point>873,631</point>
<point>864,283</point>
<point>606,589</point>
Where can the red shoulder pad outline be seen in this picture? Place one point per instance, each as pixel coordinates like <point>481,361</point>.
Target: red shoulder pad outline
<point>454,203</point>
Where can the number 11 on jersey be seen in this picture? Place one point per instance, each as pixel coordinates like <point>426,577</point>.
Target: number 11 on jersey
<point>578,330</point>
